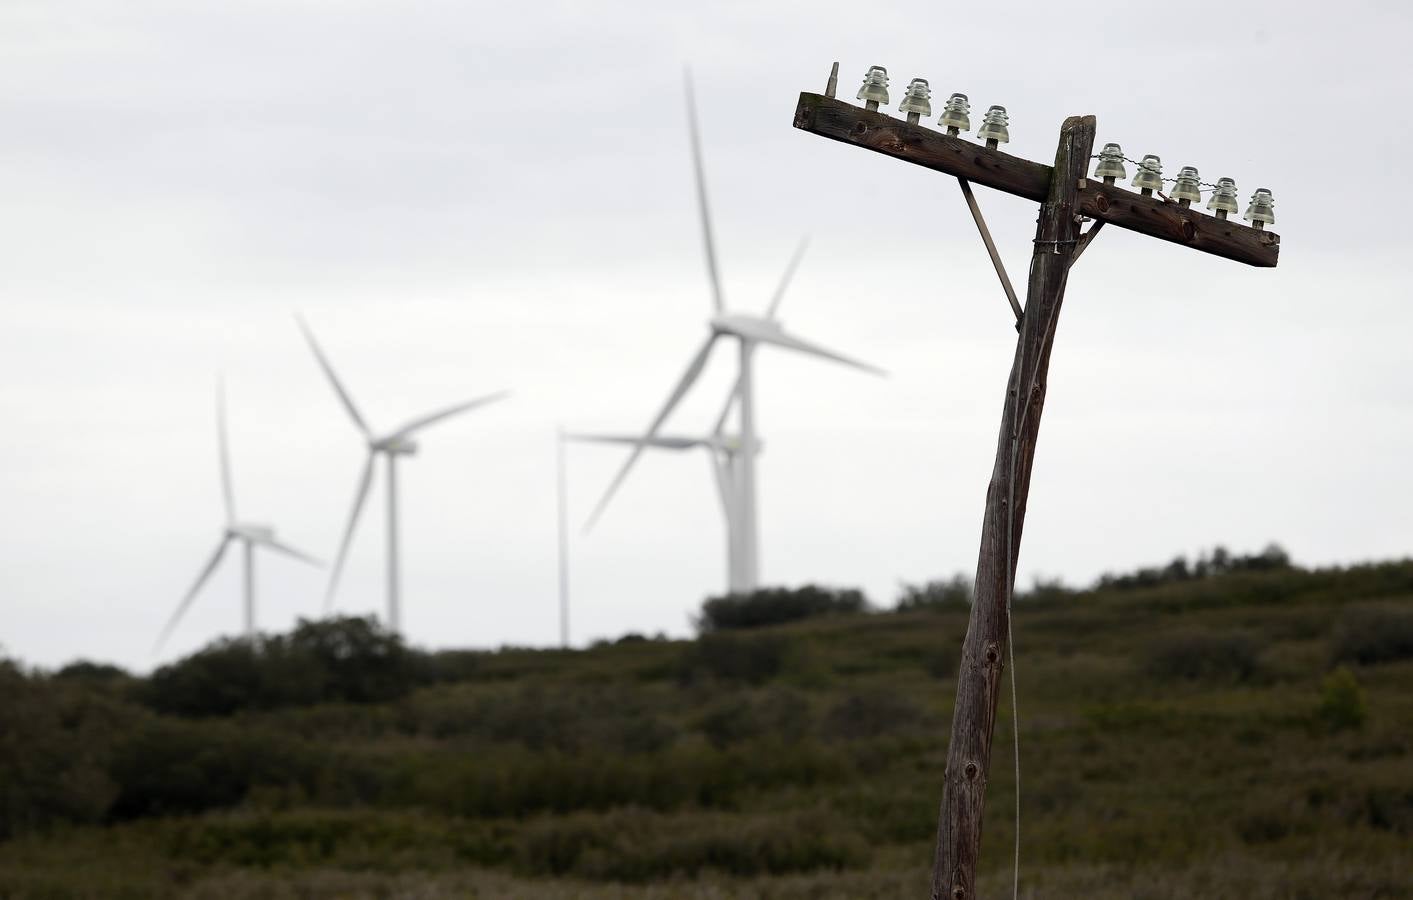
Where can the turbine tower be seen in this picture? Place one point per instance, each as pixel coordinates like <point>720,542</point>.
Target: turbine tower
<point>391,445</point>
<point>750,331</point>
<point>248,534</point>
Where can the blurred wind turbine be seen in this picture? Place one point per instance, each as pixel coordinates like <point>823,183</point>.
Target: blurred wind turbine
<point>392,445</point>
<point>724,452</point>
<point>248,534</point>
<point>750,331</point>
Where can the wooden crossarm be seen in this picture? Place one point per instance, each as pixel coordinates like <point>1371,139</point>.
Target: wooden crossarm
<point>1153,216</point>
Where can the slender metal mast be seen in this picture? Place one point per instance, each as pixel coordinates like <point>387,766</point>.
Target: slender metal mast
<point>249,554</point>
<point>749,543</point>
<point>394,598</point>
<point>561,494</point>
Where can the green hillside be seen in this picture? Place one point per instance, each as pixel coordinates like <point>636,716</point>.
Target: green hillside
<point>1215,733</point>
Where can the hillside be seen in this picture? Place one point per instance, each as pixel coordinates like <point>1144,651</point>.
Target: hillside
<point>1236,735</point>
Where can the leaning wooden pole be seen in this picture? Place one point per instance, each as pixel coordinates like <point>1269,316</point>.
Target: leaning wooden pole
<point>984,650</point>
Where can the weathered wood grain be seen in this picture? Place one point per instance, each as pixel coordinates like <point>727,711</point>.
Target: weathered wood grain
<point>984,649</point>
<point>920,145</point>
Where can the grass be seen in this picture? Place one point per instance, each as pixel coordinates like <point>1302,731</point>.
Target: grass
<point>1176,741</point>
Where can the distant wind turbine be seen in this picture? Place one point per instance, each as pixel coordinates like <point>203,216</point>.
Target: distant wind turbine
<point>724,453</point>
<point>750,331</point>
<point>391,445</point>
<point>249,535</point>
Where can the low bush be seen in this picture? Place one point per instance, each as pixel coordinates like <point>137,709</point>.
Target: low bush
<point>1202,655</point>
<point>1374,635</point>
<point>347,659</point>
<point>753,659</point>
<point>1342,704</point>
<point>772,606</point>
<point>637,846</point>
<point>954,591</point>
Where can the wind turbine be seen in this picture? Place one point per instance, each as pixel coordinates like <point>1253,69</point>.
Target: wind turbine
<point>723,452</point>
<point>750,331</point>
<point>391,445</point>
<point>248,534</point>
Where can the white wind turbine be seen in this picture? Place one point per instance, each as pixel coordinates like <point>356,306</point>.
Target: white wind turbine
<point>248,534</point>
<point>724,453</point>
<point>391,445</point>
<point>750,331</point>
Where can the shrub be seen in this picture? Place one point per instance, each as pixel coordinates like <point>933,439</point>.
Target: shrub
<point>1374,635</point>
<point>52,742</point>
<point>1342,704</point>
<point>168,766</point>
<point>868,715</point>
<point>753,659</point>
<point>1202,655</point>
<point>955,591</point>
<point>636,846</point>
<point>348,659</point>
<point>771,606</point>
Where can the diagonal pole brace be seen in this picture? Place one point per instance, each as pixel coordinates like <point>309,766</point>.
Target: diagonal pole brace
<point>1085,238</point>
<point>991,248</point>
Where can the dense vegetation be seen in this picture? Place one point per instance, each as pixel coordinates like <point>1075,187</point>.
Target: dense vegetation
<point>1246,731</point>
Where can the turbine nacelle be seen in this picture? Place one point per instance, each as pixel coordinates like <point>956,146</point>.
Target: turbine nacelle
<point>260,534</point>
<point>395,444</point>
<point>744,326</point>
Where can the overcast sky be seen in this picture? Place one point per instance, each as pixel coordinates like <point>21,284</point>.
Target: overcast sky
<point>467,197</point>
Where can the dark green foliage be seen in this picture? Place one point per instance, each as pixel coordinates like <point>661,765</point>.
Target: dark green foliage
<point>635,846</point>
<point>791,756</point>
<point>772,606</point>
<point>84,670</point>
<point>869,715</point>
<point>1202,654</point>
<point>165,766</point>
<point>1342,704</point>
<point>954,591</point>
<point>753,659</point>
<point>52,746</point>
<point>1374,635</point>
<point>1272,559</point>
<point>346,659</point>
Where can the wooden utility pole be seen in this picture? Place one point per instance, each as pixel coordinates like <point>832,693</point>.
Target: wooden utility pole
<point>1066,197</point>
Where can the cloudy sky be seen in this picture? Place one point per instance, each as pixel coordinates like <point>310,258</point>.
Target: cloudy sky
<point>463,197</point>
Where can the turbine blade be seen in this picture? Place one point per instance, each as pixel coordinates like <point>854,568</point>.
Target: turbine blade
<point>665,442</point>
<point>201,579</point>
<point>731,399</point>
<point>226,490</point>
<point>716,296</point>
<point>364,481</point>
<point>768,334</point>
<point>432,418</point>
<point>289,551</point>
<point>785,280</point>
<point>689,377</point>
<point>333,379</point>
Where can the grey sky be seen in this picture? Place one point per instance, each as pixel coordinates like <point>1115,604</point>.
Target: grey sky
<point>464,197</point>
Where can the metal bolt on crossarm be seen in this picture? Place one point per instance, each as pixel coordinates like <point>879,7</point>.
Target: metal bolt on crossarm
<point>832,85</point>
<point>994,128</point>
<point>956,114</point>
<point>1223,200</point>
<point>1188,187</point>
<point>1149,177</point>
<point>1111,164</point>
<point>917,103</point>
<point>875,88</point>
<point>1261,212</point>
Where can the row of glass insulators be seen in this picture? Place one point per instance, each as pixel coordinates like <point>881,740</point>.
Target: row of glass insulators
<point>1187,187</point>
<point>956,115</point>
<point>956,118</point>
